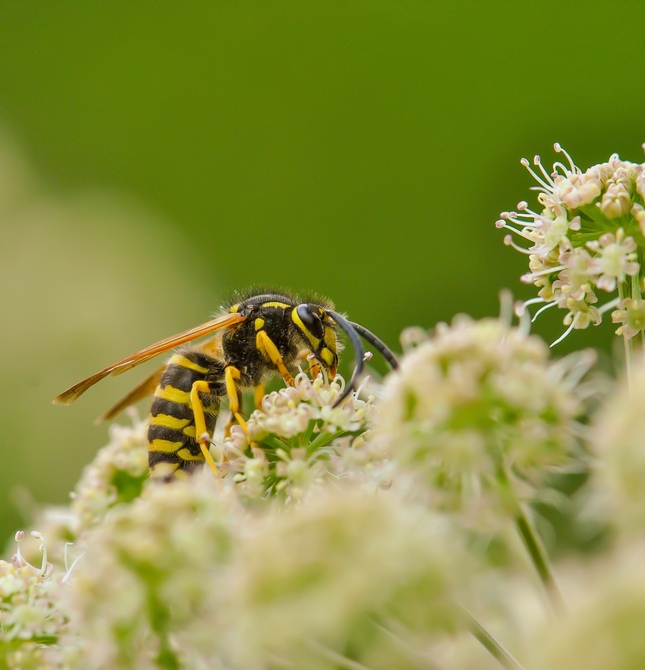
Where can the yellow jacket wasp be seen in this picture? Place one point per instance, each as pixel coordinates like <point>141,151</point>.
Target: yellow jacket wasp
<point>254,337</point>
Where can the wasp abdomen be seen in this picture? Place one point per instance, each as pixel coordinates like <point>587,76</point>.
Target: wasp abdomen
<point>173,449</point>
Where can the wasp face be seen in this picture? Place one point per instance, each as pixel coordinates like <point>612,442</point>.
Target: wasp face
<point>318,330</point>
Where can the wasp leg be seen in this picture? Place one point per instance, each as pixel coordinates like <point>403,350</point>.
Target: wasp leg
<point>201,433</point>
<point>258,394</point>
<point>314,369</point>
<point>232,374</point>
<point>266,346</point>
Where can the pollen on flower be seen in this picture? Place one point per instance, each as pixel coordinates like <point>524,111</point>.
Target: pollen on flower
<point>586,237</point>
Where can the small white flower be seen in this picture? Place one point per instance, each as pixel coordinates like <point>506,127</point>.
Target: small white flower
<point>616,259</point>
<point>631,315</point>
<point>297,438</point>
<point>584,239</point>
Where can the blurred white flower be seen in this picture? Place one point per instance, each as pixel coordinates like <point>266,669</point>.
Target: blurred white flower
<point>150,575</point>
<point>476,401</point>
<point>116,474</point>
<point>605,633</point>
<point>346,572</point>
<point>619,450</point>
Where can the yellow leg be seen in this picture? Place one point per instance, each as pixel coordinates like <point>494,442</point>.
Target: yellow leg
<point>232,374</point>
<point>201,434</point>
<point>258,395</point>
<point>265,344</point>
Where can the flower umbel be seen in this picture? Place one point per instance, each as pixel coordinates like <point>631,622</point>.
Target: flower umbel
<point>32,616</point>
<point>475,401</point>
<point>587,237</point>
<point>298,438</point>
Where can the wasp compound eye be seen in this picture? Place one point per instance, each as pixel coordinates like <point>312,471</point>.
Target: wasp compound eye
<point>311,321</point>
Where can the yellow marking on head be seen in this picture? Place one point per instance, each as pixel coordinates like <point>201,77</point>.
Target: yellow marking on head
<point>163,469</point>
<point>330,338</point>
<point>178,359</point>
<point>234,308</point>
<point>327,356</point>
<point>173,395</point>
<point>182,474</point>
<point>169,421</point>
<point>186,455</point>
<point>314,341</point>
<point>274,303</point>
<point>165,446</point>
<point>259,323</point>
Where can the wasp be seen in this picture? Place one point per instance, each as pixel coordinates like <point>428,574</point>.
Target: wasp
<point>252,338</point>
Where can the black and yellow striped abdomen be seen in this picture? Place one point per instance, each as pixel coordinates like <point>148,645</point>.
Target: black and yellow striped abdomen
<point>173,449</point>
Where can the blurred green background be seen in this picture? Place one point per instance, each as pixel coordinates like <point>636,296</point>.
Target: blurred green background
<point>155,156</point>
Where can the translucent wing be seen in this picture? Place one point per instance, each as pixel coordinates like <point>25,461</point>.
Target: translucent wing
<point>224,321</point>
<point>149,384</point>
<point>142,390</point>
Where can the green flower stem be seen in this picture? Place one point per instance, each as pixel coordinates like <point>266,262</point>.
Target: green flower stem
<point>539,557</point>
<point>628,360</point>
<point>627,342</point>
<point>531,540</point>
<point>491,645</point>
<point>275,443</point>
<point>323,439</point>
<point>342,662</point>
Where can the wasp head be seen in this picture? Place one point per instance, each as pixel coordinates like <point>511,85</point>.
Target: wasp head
<point>319,332</point>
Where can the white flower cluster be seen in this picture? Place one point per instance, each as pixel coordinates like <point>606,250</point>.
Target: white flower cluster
<point>31,611</point>
<point>348,572</point>
<point>150,573</point>
<point>185,578</point>
<point>586,238</point>
<point>227,573</point>
<point>115,475</point>
<point>475,403</point>
<point>298,438</point>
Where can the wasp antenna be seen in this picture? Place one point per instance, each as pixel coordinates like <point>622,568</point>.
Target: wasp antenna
<point>377,343</point>
<point>358,348</point>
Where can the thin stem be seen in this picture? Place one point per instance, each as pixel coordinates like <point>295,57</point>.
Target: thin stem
<point>335,657</point>
<point>627,342</point>
<point>531,541</point>
<point>491,645</point>
<point>539,558</point>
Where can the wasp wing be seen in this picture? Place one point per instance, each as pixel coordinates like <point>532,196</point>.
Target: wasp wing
<point>149,384</point>
<point>142,390</point>
<point>224,321</point>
